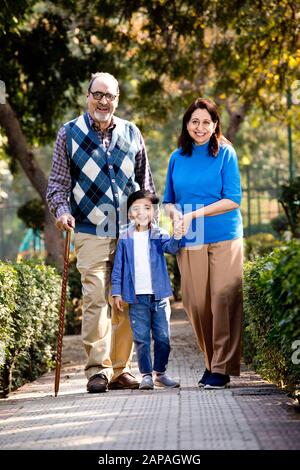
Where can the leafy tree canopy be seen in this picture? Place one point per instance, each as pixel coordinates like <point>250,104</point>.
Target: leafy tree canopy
<point>237,51</point>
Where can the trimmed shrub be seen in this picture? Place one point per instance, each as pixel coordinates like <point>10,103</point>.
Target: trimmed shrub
<point>74,304</point>
<point>29,300</point>
<point>272,314</point>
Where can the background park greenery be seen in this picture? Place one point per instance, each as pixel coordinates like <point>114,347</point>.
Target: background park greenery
<point>244,54</point>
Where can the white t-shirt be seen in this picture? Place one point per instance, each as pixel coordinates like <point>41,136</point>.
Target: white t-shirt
<point>142,268</point>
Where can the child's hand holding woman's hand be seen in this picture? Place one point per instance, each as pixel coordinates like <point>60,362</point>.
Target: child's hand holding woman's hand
<point>178,229</point>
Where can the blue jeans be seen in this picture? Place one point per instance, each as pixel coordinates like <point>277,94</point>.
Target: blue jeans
<point>146,316</point>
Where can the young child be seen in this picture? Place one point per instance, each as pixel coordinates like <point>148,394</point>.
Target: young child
<point>140,278</point>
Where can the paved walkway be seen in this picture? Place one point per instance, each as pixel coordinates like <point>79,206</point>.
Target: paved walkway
<point>251,415</point>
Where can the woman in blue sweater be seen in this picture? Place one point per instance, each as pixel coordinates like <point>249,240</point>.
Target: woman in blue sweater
<point>203,193</point>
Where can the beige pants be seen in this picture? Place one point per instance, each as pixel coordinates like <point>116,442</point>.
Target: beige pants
<point>107,341</point>
<point>211,282</point>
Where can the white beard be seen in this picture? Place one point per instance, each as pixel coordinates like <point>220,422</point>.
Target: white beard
<point>102,117</point>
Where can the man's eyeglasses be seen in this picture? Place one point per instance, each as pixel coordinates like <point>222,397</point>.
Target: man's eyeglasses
<point>98,95</point>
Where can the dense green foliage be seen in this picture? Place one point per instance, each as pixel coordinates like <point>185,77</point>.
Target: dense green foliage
<point>272,314</point>
<point>32,213</point>
<point>164,52</point>
<point>29,297</point>
<point>290,200</point>
<point>41,64</point>
<point>74,304</point>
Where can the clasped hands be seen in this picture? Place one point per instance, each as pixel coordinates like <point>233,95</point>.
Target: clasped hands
<point>181,223</point>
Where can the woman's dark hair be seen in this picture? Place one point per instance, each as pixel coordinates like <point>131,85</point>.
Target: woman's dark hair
<point>186,142</point>
<point>142,194</point>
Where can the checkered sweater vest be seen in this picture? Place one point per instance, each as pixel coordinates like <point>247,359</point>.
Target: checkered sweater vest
<point>102,179</point>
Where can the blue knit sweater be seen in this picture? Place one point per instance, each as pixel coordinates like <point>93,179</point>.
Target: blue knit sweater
<point>102,179</point>
<point>199,180</point>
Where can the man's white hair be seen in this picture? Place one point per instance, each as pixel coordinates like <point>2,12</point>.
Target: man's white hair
<point>103,75</point>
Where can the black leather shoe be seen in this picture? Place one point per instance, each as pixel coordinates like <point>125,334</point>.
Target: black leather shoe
<point>97,384</point>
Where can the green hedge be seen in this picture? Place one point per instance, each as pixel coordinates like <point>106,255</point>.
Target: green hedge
<point>74,304</point>
<point>272,314</point>
<point>29,300</point>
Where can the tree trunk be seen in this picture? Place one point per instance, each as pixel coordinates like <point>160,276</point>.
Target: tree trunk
<point>21,151</point>
<point>53,241</point>
<point>236,119</point>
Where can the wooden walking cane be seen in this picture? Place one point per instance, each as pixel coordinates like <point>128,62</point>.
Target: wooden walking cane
<point>62,312</point>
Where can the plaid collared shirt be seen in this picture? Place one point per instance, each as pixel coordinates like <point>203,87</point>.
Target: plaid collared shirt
<point>60,184</point>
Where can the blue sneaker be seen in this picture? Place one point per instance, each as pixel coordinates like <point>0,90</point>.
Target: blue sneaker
<point>216,381</point>
<point>165,381</point>
<point>202,381</point>
<point>146,383</point>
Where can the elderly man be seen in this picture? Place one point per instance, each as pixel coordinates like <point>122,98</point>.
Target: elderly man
<point>99,159</point>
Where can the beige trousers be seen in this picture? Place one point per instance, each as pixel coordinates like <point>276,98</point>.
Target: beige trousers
<point>211,282</point>
<point>106,332</point>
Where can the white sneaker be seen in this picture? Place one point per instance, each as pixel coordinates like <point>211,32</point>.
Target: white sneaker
<point>146,383</point>
<point>165,381</point>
